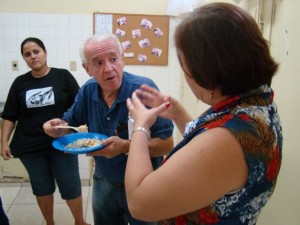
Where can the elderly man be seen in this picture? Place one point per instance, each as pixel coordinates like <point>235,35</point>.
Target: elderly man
<point>101,104</point>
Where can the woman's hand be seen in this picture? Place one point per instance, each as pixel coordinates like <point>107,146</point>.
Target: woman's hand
<point>5,152</point>
<point>151,98</point>
<point>142,116</point>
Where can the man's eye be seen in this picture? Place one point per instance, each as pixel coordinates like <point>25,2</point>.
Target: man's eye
<point>97,63</point>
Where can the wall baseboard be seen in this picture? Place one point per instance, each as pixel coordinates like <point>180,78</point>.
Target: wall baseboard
<point>19,182</point>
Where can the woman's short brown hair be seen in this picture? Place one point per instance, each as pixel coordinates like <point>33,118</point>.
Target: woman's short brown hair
<point>223,47</point>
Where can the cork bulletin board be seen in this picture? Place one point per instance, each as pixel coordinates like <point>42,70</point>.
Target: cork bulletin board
<point>144,38</point>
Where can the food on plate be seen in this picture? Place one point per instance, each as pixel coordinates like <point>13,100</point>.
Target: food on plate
<point>83,128</point>
<point>84,143</point>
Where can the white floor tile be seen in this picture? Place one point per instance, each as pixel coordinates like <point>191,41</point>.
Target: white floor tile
<point>9,194</point>
<point>25,196</point>
<point>25,214</point>
<point>63,215</point>
<point>6,207</point>
<point>22,209</point>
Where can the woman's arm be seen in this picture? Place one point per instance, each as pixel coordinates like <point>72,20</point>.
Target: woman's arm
<point>209,166</point>
<point>6,131</point>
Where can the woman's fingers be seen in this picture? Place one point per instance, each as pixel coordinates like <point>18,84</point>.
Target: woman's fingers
<point>149,89</point>
<point>129,104</point>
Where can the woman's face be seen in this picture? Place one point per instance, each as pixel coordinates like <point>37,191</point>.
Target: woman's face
<point>199,92</point>
<point>34,56</point>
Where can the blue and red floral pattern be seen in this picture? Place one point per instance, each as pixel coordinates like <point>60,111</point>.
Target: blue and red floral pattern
<point>253,119</point>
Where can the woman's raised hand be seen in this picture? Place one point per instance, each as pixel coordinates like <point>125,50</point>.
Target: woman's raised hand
<point>152,98</point>
<point>140,114</point>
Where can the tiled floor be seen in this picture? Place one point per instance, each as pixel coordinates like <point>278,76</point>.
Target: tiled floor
<point>22,209</point>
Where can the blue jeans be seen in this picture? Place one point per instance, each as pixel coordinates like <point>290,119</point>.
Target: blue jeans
<point>110,205</point>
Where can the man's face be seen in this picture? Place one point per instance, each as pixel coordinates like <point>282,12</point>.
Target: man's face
<point>105,64</point>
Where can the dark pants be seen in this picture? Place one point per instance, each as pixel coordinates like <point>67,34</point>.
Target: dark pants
<point>45,170</point>
<point>3,217</point>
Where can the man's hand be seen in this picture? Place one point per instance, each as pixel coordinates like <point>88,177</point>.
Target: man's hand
<point>114,146</point>
<point>51,130</point>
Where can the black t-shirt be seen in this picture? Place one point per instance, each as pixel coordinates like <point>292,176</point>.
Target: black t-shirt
<point>33,101</point>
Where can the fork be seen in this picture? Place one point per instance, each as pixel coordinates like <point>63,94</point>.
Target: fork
<point>82,128</point>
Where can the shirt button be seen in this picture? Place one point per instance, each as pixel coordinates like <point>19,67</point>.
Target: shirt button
<point>108,118</point>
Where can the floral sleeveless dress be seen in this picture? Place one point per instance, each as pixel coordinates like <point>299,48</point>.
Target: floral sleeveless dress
<point>253,119</point>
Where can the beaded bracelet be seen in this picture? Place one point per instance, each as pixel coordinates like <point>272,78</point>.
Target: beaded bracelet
<point>146,131</point>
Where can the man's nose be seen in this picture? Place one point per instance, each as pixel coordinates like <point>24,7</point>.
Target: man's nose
<point>108,66</point>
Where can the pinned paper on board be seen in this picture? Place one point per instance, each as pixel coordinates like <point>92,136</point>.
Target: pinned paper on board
<point>144,38</point>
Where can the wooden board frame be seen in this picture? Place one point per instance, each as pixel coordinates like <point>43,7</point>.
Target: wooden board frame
<point>145,38</point>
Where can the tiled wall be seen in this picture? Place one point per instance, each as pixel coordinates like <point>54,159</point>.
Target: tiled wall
<point>62,35</point>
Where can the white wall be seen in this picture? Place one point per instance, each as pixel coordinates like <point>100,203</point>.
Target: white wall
<point>62,33</point>
<point>156,7</point>
<point>283,207</point>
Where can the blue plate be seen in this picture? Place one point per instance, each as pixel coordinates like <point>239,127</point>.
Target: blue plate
<point>62,142</point>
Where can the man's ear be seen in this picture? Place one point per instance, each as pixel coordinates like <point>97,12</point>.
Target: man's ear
<point>86,69</point>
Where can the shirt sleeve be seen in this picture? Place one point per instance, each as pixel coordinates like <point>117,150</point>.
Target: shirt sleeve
<point>162,128</point>
<point>72,87</point>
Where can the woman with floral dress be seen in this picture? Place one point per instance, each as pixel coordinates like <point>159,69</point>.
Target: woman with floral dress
<point>225,169</point>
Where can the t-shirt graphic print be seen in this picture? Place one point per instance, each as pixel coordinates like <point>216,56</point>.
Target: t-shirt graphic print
<point>40,97</point>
